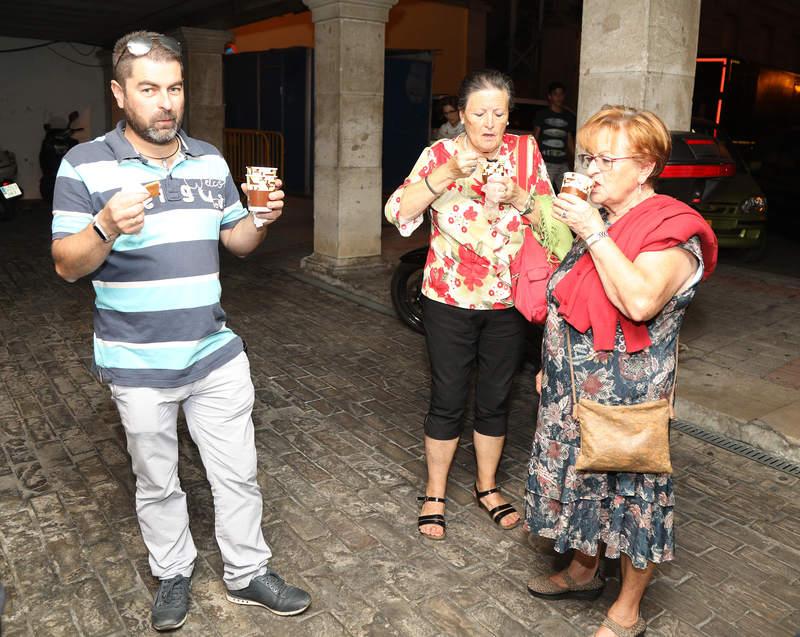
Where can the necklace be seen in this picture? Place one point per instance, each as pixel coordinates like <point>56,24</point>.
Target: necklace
<point>165,157</point>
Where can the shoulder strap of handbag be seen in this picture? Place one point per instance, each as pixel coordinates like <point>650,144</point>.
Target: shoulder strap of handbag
<point>572,378</point>
<point>522,161</point>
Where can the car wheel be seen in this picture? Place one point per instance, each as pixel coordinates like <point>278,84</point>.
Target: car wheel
<point>406,291</point>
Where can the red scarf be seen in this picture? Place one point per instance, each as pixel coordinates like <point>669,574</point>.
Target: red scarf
<point>657,223</point>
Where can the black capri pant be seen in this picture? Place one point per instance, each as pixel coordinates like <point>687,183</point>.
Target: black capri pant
<point>457,340</point>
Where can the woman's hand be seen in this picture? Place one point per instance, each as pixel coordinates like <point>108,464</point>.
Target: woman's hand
<point>581,217</point>
<point>462,164</point>
<point>539,382</point>
<point>510,192</point>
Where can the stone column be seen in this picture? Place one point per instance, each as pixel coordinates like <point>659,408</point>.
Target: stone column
<point>202,51</point>
<point>349,52</point>
<point>640,53</point>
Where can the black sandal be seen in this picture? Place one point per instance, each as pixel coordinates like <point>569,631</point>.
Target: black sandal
<point>435,518</point>
<point>500,511</point>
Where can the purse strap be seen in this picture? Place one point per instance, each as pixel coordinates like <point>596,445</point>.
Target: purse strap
<point>572,377</point>
<point>522,161</point>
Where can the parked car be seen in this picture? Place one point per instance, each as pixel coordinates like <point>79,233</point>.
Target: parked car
<point>706,172</point>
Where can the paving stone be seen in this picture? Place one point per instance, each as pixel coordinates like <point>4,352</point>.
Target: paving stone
<point>69,560</point>
<point>353,535</point>
<point>337,596</point>
<point>134,610</point>
<point>728,605</point>
<point>667,625</point>
<point>94,611</point>
<point>55,621</point>
<point>113,567</point>
<point>752,624</point>
<point>769,568</point>
<point>406,621</point>
<point>688,608</point>
<point>709,567</point>
<point>448,618</point>
<point>496,621</point>
<point>316,625</point>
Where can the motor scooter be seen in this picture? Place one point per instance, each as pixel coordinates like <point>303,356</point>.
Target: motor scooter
<point>58,139</point>
<point>10,191</point>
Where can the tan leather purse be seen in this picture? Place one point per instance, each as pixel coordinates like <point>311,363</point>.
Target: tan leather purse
<point>624,438</point>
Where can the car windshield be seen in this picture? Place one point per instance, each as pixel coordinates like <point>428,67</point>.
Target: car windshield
<point>727,147</point>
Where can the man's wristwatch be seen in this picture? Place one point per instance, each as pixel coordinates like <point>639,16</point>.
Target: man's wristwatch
<point>101,232</point>
<point>595,237</point>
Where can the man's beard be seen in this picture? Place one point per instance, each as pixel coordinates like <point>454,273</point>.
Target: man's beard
<point>150,133</point>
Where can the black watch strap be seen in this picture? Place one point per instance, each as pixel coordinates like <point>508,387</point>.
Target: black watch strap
<point>101,232</point>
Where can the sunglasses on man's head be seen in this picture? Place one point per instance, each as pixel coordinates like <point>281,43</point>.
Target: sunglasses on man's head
<point>143,44</point>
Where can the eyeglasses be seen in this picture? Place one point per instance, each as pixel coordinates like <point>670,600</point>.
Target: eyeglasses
<point>604,164</point>
<point>143,44</point>
<point>448,112</point>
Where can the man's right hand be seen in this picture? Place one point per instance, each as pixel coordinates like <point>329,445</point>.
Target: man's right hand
<point>124,213</point>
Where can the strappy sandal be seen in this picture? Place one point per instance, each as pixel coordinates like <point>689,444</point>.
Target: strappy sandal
<point>435,518</point>
<point>498,512</point>
<point>619,630</point>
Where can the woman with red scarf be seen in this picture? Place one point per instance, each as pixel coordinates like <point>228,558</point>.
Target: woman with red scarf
<point>619,295</point>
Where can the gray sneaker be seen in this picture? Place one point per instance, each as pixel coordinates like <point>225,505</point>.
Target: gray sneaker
<point>171,603</point>
<point>270,591</point>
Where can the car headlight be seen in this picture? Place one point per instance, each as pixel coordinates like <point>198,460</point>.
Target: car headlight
<point>755,205</point>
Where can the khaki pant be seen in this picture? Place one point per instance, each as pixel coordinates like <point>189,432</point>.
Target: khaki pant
<point>218,412</point>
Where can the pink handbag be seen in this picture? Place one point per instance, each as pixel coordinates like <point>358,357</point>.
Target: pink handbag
<point>530,271</point>
<point>533,265</point>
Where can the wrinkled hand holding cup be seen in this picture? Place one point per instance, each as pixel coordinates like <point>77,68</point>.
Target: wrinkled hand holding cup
<point>494,189</point>
<point>261,180</point>
<point>577,184</point>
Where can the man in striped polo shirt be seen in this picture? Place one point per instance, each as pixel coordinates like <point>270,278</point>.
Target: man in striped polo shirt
<point>160,338</point>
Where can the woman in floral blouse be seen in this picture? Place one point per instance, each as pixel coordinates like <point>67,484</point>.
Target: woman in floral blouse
<point>619,296</point>
<point>476,230</point>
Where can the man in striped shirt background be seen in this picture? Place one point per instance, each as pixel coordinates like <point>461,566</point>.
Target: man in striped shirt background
<point>160,338</point>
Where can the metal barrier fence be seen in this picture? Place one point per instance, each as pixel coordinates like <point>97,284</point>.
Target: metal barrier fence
<point>245,147</point>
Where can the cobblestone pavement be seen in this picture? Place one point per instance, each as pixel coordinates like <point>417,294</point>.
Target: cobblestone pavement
<point>340,396</point>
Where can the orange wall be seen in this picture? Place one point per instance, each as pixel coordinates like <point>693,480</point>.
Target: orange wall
<point>413,24</point>
<point>295,29</point>
<point>441,28</point>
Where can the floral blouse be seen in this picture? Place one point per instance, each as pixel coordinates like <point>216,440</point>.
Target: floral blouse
<point>471,248</point>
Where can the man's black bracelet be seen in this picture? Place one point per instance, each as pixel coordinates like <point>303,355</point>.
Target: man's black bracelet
<point>428,184</point>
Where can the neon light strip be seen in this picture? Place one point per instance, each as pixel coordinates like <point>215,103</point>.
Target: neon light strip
<point>684,171</point>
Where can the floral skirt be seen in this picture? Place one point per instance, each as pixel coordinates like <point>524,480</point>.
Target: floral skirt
<point>630,513</point>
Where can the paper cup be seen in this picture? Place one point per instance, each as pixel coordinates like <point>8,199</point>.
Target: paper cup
<point>577,184</point>
<point>261,180</point>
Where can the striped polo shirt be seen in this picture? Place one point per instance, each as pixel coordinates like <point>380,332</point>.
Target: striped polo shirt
<point>158,321</point>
